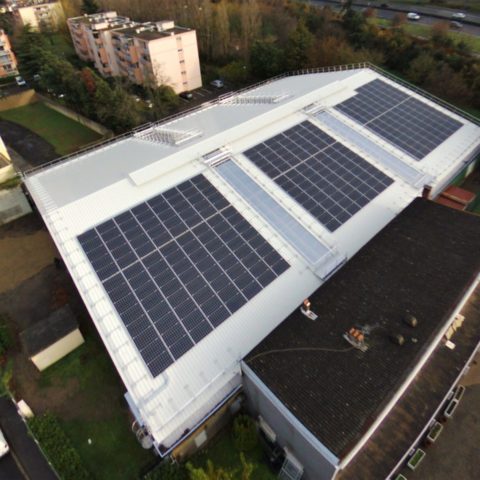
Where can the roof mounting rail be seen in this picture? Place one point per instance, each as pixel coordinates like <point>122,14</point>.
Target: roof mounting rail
<point>212,159</point>
<point>167,136</point>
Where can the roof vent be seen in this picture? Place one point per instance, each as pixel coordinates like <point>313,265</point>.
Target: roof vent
<point>410,320</point>
<point>168,136</point>
<point>356,338</point>
<point>314,108</point>
<point>218,156</point>
<point>255,99</point>
<point>305,309</point>
<point>397,339</point>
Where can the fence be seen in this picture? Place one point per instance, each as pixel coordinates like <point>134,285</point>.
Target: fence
<point>96,127</point>
<point>17,100</point>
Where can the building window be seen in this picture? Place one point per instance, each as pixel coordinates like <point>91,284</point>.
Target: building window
<point>180,49</point>
<point>182,61</point>
<point>184,72</point>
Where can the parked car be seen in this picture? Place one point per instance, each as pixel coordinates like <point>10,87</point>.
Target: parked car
<point>20,81</point>
<point>4,448</point>
<point>384,5</point>
<point>459,16</point>
<point>413,16</point>
<point>455,24</point>
<point>186,95</point>
<point>217,83</point>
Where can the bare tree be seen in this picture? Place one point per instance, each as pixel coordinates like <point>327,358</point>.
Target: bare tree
<point>251,23</point>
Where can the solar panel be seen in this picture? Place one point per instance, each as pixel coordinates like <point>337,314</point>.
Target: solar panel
<point>314,251</point>
<point>177,266</point>
<point>404,121</point>
<point>325,177</point>
<point>387,159</point>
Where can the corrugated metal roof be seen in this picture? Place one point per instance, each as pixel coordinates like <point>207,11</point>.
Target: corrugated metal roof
<point>75,195</point>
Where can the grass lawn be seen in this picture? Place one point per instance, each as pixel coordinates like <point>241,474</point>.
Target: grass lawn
<point>64,134</point>
<point>222,453</point>
<point>473,41</point>
<point>97,411</point>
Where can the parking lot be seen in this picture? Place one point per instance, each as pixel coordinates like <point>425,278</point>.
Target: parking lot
<point>205,94</point>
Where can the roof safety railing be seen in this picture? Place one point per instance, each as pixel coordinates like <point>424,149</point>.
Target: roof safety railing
<point>222,98</point>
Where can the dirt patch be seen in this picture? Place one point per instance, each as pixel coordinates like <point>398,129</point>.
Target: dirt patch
<point>37,248</point>
<point>25,385</point>
<point>29,145</point>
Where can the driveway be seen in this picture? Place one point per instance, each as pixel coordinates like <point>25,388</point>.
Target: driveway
<point>24,450</point>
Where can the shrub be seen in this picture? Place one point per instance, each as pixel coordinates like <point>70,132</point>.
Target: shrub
<point>244,433</point>
<point>6,374</point>
<point>167,471</point>
<point>58,448</point>
<point>5,336</point>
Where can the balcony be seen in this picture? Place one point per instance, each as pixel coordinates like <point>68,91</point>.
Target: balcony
<point>4,60</point>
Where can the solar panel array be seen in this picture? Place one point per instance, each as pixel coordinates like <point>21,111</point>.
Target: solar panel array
<point>177,266</point>
<point>325,177</point>
<point>404,121</point>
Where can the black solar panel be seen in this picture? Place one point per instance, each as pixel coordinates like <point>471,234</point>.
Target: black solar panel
<point>177,266</point>
<point>408,123</point>
<point>326,178</point>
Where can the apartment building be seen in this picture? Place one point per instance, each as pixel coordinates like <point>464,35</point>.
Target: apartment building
<point>8,62</point>
<point>92,39</point>
<point>147,53</point>
<point>40,15</point>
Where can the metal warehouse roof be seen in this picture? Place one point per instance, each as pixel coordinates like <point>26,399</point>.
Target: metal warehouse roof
<point>82,192</point>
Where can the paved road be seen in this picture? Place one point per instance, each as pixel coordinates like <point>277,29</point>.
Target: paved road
<point>28,461</point>
<point>426,13</point>
<point>9,469</point>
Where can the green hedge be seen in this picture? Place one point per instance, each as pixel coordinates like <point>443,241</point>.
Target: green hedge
<point>244,432</point>
<point>167,471</point>
<point>58,448</point>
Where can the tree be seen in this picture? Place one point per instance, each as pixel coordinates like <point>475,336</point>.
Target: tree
<point>251,22</point>
<point>298,52</point>
<point>440,35</point>
<point>399,19</point>
<point>265,59</point>
<point>88,79</point>
<point>164,100</point>
<point>221,28</point>
<point>421,68</point>
<point>90,6</point>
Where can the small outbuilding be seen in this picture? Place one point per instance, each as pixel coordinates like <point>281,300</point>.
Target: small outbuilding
<point>51,339</point>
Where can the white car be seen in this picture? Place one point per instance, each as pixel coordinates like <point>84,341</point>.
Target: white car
<point>4,448</point>
<point>20,81</point>
<point>458,16</point>
<point>217,83</point>
<point>413,16</point>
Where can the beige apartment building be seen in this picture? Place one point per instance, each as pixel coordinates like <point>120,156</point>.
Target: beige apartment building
<point>8,62</point>
<point>146,53</point>
<point>40,15</point>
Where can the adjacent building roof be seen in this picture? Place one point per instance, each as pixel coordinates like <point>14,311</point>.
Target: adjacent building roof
<point>386,449</point>
<point>46,332</point>
<point>95,194</point>
<point>421,264</point>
